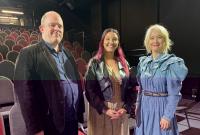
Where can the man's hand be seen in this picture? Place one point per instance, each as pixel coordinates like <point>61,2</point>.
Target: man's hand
<point>40,133</point>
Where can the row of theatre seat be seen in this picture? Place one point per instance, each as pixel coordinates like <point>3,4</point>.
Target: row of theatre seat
<point>10,44</point>
<point>13,40</point>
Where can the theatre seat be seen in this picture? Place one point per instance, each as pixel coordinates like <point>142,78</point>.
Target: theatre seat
<point>2,128</point>
<point>16,121</point>
<point>7,69</point>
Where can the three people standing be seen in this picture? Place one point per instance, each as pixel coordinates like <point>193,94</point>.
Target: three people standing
<point>49,91</point>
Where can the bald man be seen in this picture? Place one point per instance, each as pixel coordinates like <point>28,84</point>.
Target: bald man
<point>47,83</point>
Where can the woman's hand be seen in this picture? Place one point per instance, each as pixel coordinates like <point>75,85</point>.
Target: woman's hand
<point>121,111</point>
<point>164,124</point>
<point>112,114</point>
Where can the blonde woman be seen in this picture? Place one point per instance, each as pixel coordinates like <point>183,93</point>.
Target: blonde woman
<point>160,77</point>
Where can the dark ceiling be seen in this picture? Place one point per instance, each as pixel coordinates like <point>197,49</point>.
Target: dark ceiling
<point>80,10</point>
<point>27,4</point>
<point>79,7</point>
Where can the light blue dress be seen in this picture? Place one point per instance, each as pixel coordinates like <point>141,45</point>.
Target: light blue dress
<point>164,74</point>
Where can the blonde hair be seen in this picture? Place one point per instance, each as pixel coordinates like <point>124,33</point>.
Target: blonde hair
<point>164,33</point>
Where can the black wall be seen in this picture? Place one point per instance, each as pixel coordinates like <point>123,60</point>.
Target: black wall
<point>133,17</point>
<point>182,19</point>
<point>130,17</point>
<point>136,15</point>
